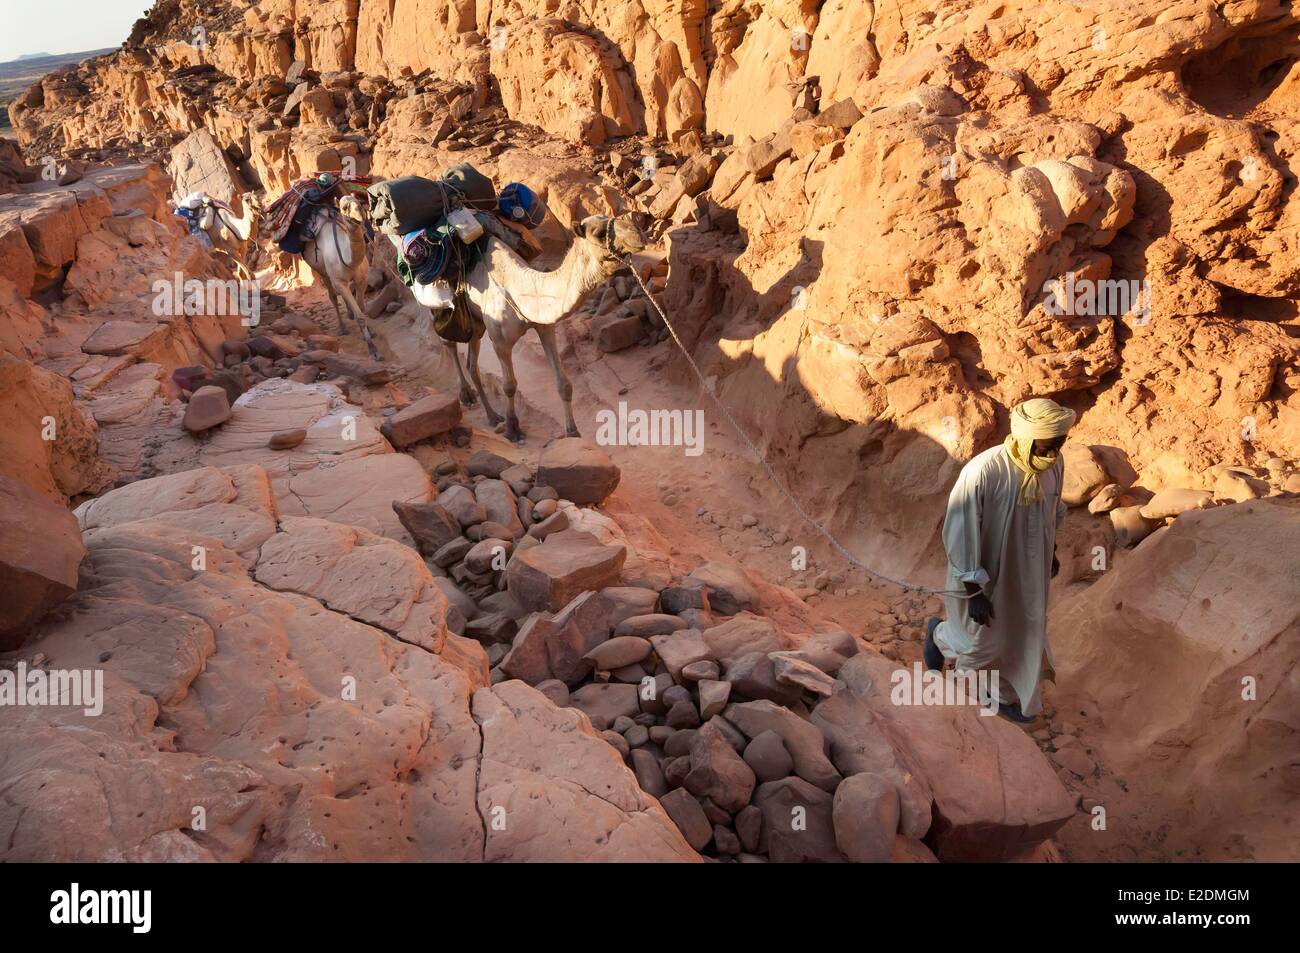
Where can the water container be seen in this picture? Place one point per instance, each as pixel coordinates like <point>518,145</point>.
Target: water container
<point>468,228</point>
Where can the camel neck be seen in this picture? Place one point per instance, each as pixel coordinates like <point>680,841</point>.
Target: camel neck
<point>545,297</point>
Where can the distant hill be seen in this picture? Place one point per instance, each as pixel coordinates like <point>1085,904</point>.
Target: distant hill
<point>17,75</point>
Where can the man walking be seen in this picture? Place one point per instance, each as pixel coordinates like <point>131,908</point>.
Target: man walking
<point>1000,534</point>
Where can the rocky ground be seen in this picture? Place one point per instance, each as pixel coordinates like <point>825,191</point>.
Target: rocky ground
<point>557,651</point>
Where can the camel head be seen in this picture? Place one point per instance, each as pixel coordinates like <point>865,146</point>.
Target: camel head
<point>615,238</point>
<point>352,206</point>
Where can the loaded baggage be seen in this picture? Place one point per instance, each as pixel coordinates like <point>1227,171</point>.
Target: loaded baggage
<point>288,217</point>
<point>517,203</point>
<point>476,190</point>
<point>403,205</point>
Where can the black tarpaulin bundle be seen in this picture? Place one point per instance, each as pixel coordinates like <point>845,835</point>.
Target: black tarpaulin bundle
<point>403,205</point>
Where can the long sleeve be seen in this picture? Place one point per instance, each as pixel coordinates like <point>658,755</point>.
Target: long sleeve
<point>1061,508</point>
<point>961,528</point>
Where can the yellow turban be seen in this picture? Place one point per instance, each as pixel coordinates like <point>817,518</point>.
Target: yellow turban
<point>1037,419</point>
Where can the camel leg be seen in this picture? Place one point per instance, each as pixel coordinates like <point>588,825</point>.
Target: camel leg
<point>466,394</point>
<point>546,333</point>
<point>360,317</point>
<point>508,383</point>
<point>334,301</point>
<point>472,360</point>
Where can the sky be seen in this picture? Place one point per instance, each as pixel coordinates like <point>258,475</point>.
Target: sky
<point>65,26</point>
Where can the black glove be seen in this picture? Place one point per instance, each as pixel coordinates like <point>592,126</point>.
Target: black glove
<point>981,609</point>
<point>1056,565</point>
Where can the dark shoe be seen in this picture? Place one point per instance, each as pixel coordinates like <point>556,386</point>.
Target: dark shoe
<point>1013,713</point>
<point>933,657</point>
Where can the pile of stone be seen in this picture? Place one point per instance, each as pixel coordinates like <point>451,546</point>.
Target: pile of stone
<point>714,709</point>
<point>623,316</point>
<point>1136,512</point>
<point>292,347</point>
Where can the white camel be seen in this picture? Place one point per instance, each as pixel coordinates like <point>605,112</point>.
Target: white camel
<point>336,254</point>
<point>510,298</point>
<point>234,236</point>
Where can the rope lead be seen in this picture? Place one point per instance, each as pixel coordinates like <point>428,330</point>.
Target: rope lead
<point>758,455</point>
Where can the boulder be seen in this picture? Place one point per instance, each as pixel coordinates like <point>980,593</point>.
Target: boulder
<point>579,627</point>
<point>40,550</point>
<point>617,333</point>
<point>623,602</point>
<point>804,741</point>
<point>679,649</point>
<point>729,590</point>
<point>499,504</point>
<point>603,702</point>
<point>427,417</point>
<point>865,816</point>
<point>431,526</point>
<point>741,636</point>
<point>287,439</point>
<point>859,744</point>
<point>1107,498</point>
<point>764,155</point>
<point>649,775</point>
<point>791,670</point>
<point>208,407</point>
<point>717,772</point>
<point>1131,527</point>
<point>689,817</point>
<point>714,696</point>
<point>798,825</point>
<point>579,471</point>
<point>767,756</point>
<point>649,625</point>
<point>461,503</point>
<point>754,676</point>
<point>826,650</point>
<point>1003,801</point>
<point>1175,502</point>
<point>1083,474</point>
<point>488,464</point>
<point>618,652</point>
<point>527,659</point>
<point>547,576</point>
<point>487,555</point>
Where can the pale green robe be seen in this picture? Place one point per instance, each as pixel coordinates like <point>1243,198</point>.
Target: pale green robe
<point>1007,549</point>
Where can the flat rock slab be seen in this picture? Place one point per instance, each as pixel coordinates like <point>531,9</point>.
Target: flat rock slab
<point>115,337</point>
<point>359,492</point>
<point>564,794</point>
<point>336,429</point>
<point>544,578</point>
<point>249,682</point>
<point>372,579</point>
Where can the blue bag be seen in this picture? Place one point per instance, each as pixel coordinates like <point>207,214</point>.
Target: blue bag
<point>518,203</point>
